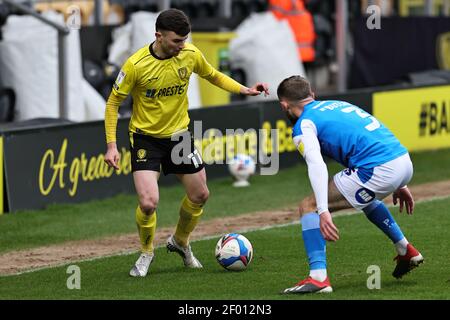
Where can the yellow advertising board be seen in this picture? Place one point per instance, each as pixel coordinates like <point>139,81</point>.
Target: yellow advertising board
<point>420,118</point>
<point>214,45</point>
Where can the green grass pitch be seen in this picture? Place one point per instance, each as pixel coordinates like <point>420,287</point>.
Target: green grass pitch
<point>101,218</point>
<point>279,261</point>
<point>279,258</point>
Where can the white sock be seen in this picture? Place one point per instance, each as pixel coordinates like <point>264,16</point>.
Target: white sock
<point>401,246</point>
<point>318,274</point>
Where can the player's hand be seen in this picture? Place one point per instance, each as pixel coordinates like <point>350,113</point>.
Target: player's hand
<point>405,198</point>
<point>256,89</point>
<point>112,156</point>
<point>327,227</point>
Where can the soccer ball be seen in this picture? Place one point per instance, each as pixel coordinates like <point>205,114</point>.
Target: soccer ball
<point>234,252</point>
<point>241,168</point>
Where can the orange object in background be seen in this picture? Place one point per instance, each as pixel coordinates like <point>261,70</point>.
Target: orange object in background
<point>301,23</point>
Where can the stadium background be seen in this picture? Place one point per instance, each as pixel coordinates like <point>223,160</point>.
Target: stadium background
<point>52,176</point>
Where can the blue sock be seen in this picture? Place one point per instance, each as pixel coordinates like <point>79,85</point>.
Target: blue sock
<point>314,241</point>
<point>380,216</point>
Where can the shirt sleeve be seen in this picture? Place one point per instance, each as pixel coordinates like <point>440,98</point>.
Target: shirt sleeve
<point>202,67</point>
<point>125,80</point>
<point>111,115</point>
<point>309,147</point>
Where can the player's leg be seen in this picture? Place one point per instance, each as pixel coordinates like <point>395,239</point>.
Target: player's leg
<point>145,162</point>
<point>313,238</point>
<point>315,244</point>
<point>408,257</point>
<point>191,210</point>
<point>191,174</point>
<point>386,179</point>
<point>365,189</point>
<point>146,184</point>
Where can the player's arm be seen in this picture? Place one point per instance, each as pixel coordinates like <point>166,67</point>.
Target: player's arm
<point>225,82</point>
<point>112,155</point>
<point>121,88</point>
<point>217,78</point>
<point>309,147</point>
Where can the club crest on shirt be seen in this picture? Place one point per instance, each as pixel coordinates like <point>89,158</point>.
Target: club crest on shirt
<point>182,72</point>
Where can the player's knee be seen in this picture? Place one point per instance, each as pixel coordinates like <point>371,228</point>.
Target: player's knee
<point>306,206</point>
<point>148,204</point>
<point>200,196</point>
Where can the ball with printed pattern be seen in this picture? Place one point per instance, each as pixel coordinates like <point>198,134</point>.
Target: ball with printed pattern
<point>234,252</point>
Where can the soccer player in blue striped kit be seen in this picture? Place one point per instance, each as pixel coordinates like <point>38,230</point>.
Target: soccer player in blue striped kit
<point>377,165</point>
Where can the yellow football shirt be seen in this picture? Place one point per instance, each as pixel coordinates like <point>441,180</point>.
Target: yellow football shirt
<point>159,89</point>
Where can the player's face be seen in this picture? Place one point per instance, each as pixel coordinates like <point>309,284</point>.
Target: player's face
<point>292,117</point>
<point>171,43</point>
<point>288,109</point>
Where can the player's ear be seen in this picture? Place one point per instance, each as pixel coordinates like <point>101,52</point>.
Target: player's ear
<point>313,95</point>
<point>158,35</point>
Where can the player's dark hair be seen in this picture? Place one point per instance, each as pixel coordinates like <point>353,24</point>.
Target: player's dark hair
<point>294,88</point>
<point>173,20</point>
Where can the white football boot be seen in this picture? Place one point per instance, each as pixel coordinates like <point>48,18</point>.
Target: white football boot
<point>142,264</point>
<point>186,253</point>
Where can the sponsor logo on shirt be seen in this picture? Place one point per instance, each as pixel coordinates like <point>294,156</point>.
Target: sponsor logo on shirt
<point>166,92</point>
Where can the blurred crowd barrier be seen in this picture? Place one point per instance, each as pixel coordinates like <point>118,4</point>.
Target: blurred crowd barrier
<point>29,65</point>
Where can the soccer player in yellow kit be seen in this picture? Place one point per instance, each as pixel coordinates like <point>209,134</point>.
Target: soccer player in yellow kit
<point>157,77</point>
